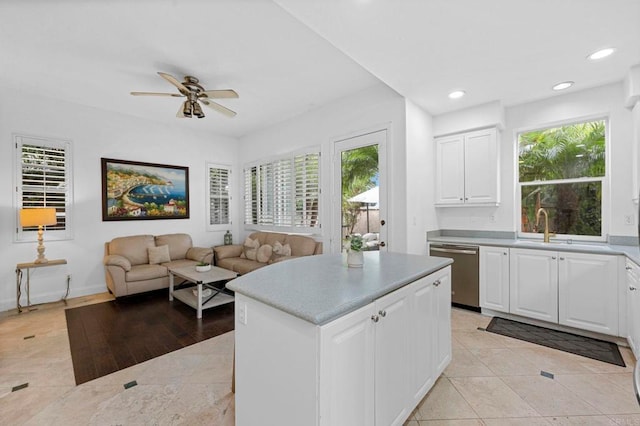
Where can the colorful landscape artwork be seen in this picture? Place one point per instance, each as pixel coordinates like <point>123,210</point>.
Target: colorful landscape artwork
<point>140,191</point>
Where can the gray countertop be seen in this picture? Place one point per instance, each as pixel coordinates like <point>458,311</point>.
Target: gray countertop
<point>632,252</point>
<point>322,288</point>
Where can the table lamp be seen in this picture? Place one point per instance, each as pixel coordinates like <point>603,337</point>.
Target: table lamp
<point>39,217</point>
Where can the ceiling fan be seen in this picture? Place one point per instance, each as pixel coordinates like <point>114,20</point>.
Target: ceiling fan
<point>195,94</point>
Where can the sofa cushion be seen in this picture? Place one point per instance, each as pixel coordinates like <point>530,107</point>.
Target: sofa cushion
<point>178,244</point>
<point>282,249</point>
<point>264,253</point>
<point>180,263</point>
<point>239,265</point>
<point>250,248</point>
<point>159,254</point>
<point>134,248</point>
<point>245,266</point>
<point>301,245</point>
<point>146,272</point>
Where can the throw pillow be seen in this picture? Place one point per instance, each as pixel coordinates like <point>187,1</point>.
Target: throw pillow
<point>282,250</point>
<point>264,253</point>
<point>159,254</point>
<point>250,248</point>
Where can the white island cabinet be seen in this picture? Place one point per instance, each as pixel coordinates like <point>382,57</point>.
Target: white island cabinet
<point>318,343</point>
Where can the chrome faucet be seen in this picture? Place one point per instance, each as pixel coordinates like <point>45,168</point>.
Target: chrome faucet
<point>547,234</point>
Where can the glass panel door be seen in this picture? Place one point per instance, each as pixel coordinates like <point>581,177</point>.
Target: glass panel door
<point>360,189</point>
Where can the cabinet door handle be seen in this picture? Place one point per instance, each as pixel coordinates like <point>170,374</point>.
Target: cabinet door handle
<point>632,288</point>
<point>375,318</point>
<point>628,268</point>
<point>436,283</point>
<point>382,313</point>
<point>461,199</point>
<point>553,257</point>
<point>562,258</point>
<point>505,253</point>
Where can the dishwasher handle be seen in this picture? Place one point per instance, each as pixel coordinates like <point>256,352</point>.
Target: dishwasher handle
<point>456,251</point>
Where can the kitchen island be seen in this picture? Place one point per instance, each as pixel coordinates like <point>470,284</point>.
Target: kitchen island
<point>318,343</point>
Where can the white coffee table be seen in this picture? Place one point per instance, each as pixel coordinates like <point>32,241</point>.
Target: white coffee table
<point>201,279</point>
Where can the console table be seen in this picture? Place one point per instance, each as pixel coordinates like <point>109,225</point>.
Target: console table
<point>29,266</point>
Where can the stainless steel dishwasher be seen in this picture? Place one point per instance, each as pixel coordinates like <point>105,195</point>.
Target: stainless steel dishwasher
<point>465,279</point>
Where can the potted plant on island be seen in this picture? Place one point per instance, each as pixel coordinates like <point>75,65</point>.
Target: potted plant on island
<point>355,258</point>
<point>203,267</point>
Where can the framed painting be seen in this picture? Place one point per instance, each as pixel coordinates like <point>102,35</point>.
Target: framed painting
<point>133,190</point>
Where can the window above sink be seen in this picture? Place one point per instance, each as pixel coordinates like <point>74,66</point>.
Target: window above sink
<point>563,170</point>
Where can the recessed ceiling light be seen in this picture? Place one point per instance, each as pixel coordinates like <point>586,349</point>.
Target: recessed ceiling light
<point>563,85</point>
<point>457,94</point>
<point>602,53</point>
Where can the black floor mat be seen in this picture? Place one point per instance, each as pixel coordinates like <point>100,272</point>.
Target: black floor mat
<point>584,346</point>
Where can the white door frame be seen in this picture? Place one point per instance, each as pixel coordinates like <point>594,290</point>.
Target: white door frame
<point>377,137</point>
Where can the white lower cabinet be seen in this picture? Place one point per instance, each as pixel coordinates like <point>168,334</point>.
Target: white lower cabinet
<point>633,306</point>
<point>494,278</point>
<point>588,292</point>
<point>534,284</point>
<point>573,289</point>
<point>376,364</point>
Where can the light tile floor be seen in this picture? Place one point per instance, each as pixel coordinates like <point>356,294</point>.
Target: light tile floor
<point>492,380</point>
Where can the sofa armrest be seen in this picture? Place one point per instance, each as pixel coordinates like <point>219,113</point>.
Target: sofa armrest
<point>117,260</point>
<point>224,252</point>
<point>200,254</point>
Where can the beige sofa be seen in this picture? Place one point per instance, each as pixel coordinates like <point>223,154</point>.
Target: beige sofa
<point>231,256</point>
<point>139,263</point>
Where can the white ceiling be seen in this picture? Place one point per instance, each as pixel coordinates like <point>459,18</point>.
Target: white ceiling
<point>507,50</point>
<point>94,52</point>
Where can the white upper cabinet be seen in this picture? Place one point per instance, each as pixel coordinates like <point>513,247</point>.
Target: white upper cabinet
<point>467,169</point>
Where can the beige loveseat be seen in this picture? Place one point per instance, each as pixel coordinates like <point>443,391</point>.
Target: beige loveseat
<point>233,257</point>
<point>139,263</point>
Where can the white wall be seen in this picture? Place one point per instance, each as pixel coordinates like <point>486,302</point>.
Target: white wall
<point>605,101</point>
<point>485,115</point>
<point>94,134</point>
<point>420,176</point>
<point>375,108</point>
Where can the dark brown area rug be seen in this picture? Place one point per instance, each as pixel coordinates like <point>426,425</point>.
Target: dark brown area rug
<point>110,336</point>
<point>584,346</point>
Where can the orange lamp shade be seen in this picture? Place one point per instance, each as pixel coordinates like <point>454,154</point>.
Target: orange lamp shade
<point>38,217</point>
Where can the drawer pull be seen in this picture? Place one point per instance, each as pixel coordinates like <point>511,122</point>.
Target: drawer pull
<point>375,318</point>
<point>436,283</point>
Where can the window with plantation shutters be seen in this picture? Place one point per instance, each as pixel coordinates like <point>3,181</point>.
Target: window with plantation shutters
<point>43,179</point>
<point>283,193</point>
<point>219,197</point>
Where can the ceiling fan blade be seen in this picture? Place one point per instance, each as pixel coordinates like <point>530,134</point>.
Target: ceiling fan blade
<point>223,110</point>
<point>175,95</point>
<point>220,94</point>
<point>171,79</point>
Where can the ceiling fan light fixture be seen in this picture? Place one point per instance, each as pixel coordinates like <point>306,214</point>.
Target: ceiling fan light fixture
<point>197,110</point>
<point>186,109</point>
